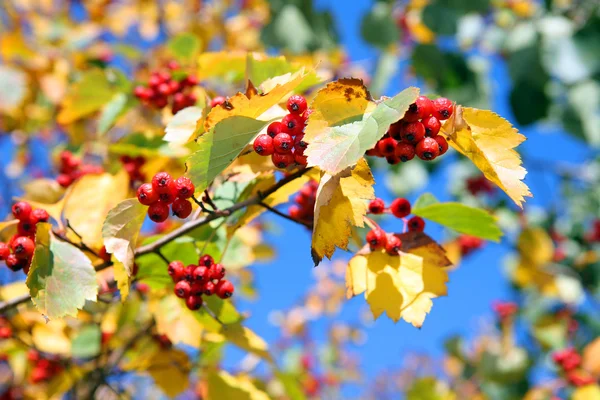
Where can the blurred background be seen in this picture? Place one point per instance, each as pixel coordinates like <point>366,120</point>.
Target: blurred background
<point>534,63</point>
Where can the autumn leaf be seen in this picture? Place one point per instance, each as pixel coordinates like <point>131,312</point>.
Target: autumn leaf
<point>588,392</point>
<point>246,339</point>
<point>535,252</point>
<point>51,338</point>
<point>222,385</point>
<point>340,205</point>
<point>175,320</point>
<point>122,278</point>
<point>401,286</point>
<point>61,277</point>
<point>170,369</point>
<point>182,126</point>
<point>345,123</point>
<point>489,141</point>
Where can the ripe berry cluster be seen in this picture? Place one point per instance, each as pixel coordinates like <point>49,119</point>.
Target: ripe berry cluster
<point>71,169</point>
<point>505,309</point>
<point>22,243</point>
<point>468,244</point>
<point>284,141</point>
<point>44,369</point>
<point>569,361</point>
<point>133,167</point>
<point>593,236</point>
<point>164,192</point>
<point>477,185</point>
<point>304,209</point>
<point>5,329</point>
<point>193,281</point>
<point>416,133</point>
<point>163,87</point>
<point>400,208</point>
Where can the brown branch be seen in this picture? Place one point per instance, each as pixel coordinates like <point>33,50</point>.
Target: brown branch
<point>284,215</point>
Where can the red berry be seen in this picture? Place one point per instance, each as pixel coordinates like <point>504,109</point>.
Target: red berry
<point>376,238</point>
<point>263,145</point>
<point>400,207</point>
<point>181,208</point>
<point>432,126</point>
<point>194,303</point>
<point>21,210</point>
<point>161,182</point>
<point>393,160</point>
<point>190,99</point>
<point>393,245</point>
<point>158,212</point>
<point>413,132</point>
<point>188,272</point>
<point>160,102</point>
<point>200,273</point>
<point>4,251</point>
<point>442,108</point>
<point>387,147</point>
<point>299,144</point>
<point>374,152</point>
<point>427,149</point>
<point>283,143</point>
<point>294,124</point>
<point>146,194</point>
<point>216,272</point>
<point>182,289</point>
<point>14,263</point>
<point>297,104</point>
<point>424,106</point>
<point>172,65</point>
<point>192,80</point>
<point>39,215</point>
<point>164,89</point>
<point>376,206</point>
<point>206,260</point>
<point>282,160</point>
<point>155,80</point>
<point>416,224</point>
<point>217,101</point>
<point>396,130</point>
<point>225,289</point>
<point>275,128</point>
<point>176,270</point>
<point>197,289</point>
<point>209,288</point>
<point>295,212</point>
<point>405,151</point>
<point>169,195</point>
<point>23,248</point>
<point>5,332</point>
<point>26,228</point>
<point>64,180</point>
<point>141,92</point>
<point>184,187</point>
<point>442,144</point>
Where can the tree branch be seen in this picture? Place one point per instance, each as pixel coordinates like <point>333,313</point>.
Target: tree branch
<point>284,215</point>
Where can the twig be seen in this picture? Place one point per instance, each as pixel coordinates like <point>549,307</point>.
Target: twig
<point>81,245</point>
<point>161,255</point>
<point>202,206</point>
<point>212,314</point>
<point>209,201</point>
<point>283,215</point>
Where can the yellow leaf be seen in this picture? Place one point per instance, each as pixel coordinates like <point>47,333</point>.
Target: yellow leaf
<point>122,277</point>
<point>170,369</point>
<point>90,200</point>
<point>12,290</point>
<point>176,321</point>
<point>340,205</point>
<point>256,105</point>
<point>589,392</point>
<point>489,141</point>
<point>222,385</point>
<point>51,338</point>
<point>535,252</point>
<point>341,100</point>
<point>43,191</point>
<point>401,286</point>
<point>591,357</point>
<point>246,339</point>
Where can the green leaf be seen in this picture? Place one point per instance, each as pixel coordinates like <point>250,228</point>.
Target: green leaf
<point>87,342</point>
<point>458,217</point>
<point>378,26</point>
<point>111,111</point>
<point>61,277</point>
<point>291,384</point>
<point>335,147</point>
<point>290,30</point>
<point>221,385</point>
<point>182,126</point>
<point>185,47</point>
<point>441,19</point>
<point>219,147</point>
<point>246,339</point>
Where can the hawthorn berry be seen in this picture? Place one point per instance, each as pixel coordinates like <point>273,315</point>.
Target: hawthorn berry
<point>395,130</point>
<point>146,194</point>
<point>176,270</point>
<point>216,272</point>
<point>377,206</point>
<point>393,245</point>
<point>432,126</point>
<point>442,144</point>
<point>182,289</point>
<point>405,151</point>
<point>181,208</point>
<point>188,272</point>
<point>294,124</point>
<point>442,108</point>
<point>376,238</point>
<point>224,289</point>
<point>413,132</point>
<point>400,207</point>
<point>416,224</point>
<point>206,260</point>
<point>201,273</point>
<point>275,128</point>
<point>64,180</point>
<point>209,288</point>
<point>184,188</point>
<point>217,101</point>
<point>23,248</point>
<point>14,263</point>
<point>158,212</point>
<point>21,210</point>
<point>4,251</point>
<point>300,144</point>
<point>301,159</point>
<point>387,147</point>
<point>194,303</point>
<point>283,143</point>
<point>26,228</point>
<point>168,195</point>
<point>427,149</point>
<point>161,182</point>
<point>39,215</point>
<point>282,160</point>
<point>197,288</point>
<point>5,332</point>
<point>263,145</point>
<point>294,212</point>
<point>297,104</point>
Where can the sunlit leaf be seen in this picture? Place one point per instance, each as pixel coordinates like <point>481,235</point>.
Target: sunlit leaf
<point>222,385</point>
<point>51,338</point>
<point>86,343</point>
<point>246,339</point>
<point>111,112</point>
<point>13,86</point>
<point>182,126</point>
<point>175,320</point>
<point>185,47</point>
<point>170,369</point>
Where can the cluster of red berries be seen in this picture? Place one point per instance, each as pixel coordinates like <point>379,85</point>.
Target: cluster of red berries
<point>505,309</point>
<point>416,133</point>
<point>5,329</point>
<point>72,169</point>
<point>593,236</point>
<point>133,167</point>
<point>284,141</point>
<point>22,243</point>
<point>477,185</point>
<point>400,208</point>
<point>569,361</point>
<point>44,369</point>
<point>468,244</point>
<point>164,192</point>
<point>304,209</point>
<point>193,281</point>
<point>163,87</point>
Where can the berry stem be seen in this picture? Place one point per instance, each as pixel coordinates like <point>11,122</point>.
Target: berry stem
<point>212,314</point>
<point>209,200</point>
<point>161,255</point>
<point>370,223</point>
<point>283,215</point>
<point>81,245</point>
<point>202,206</point>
